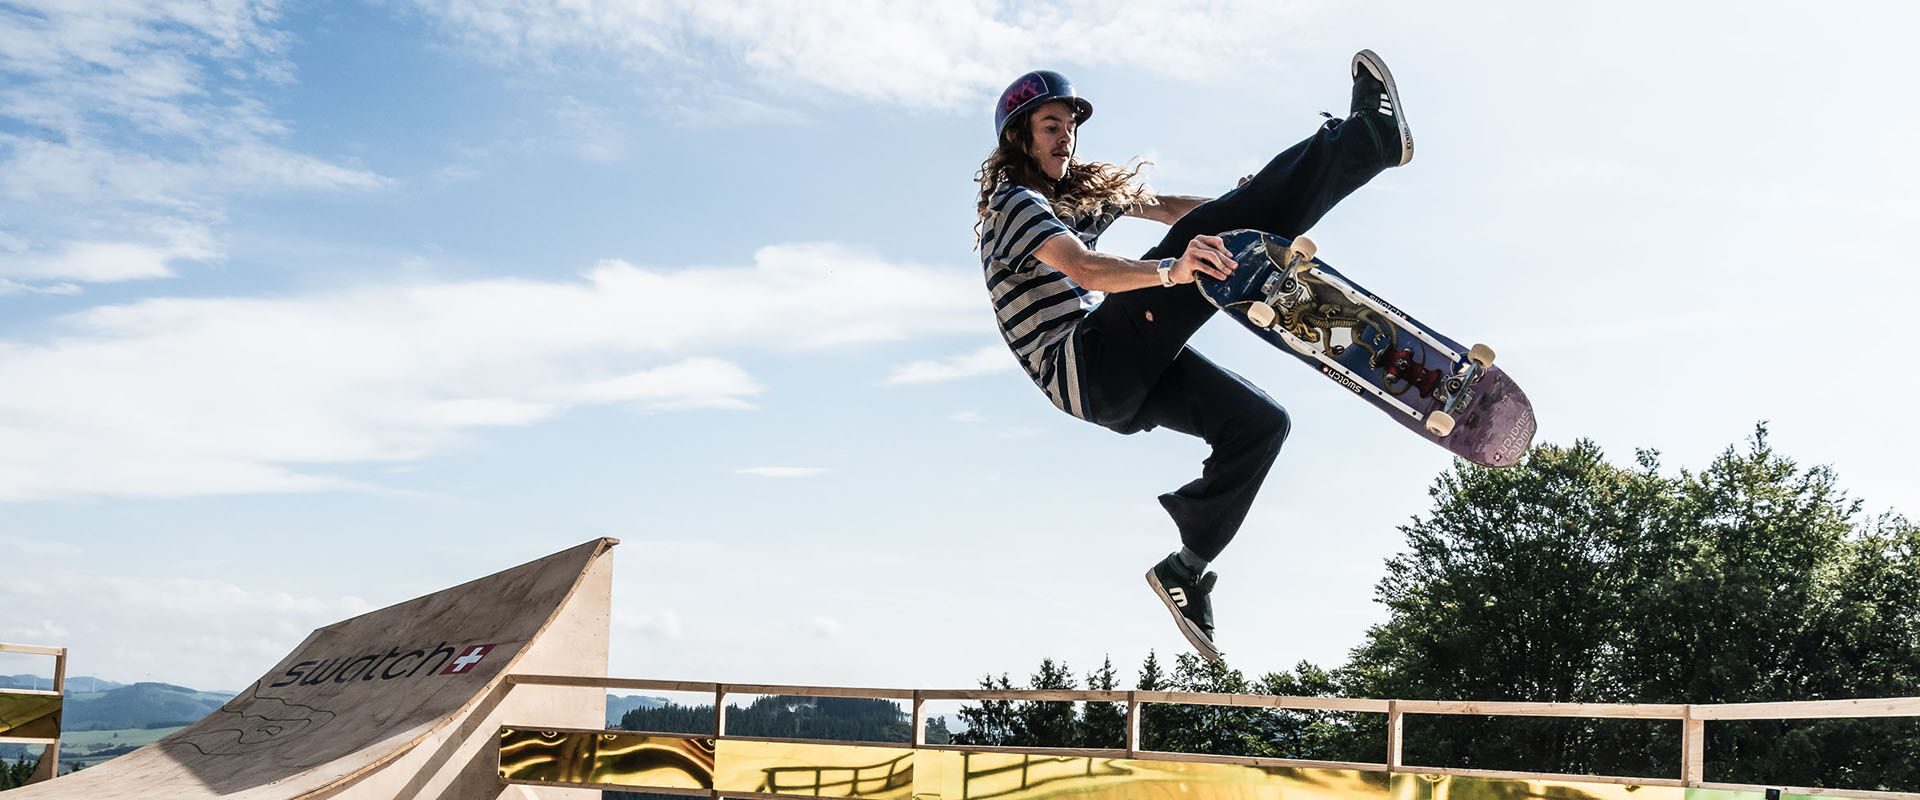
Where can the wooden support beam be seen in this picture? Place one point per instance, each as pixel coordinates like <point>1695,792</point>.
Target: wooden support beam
<point>1693,751</point>
<point>1133,723</point>
<point>919,720</point>
<point>1395,734</point>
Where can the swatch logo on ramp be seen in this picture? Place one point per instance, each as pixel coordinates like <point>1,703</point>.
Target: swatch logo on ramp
<point>467,659</point>
<point>435,660</point>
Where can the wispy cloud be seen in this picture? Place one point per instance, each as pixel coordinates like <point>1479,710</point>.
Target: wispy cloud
<point>594,133</point>
<point>661,624</point>
<point>825,627</point>
<point>937,55</point>
<point>185,396</point>
<point>782,472</point>
<point>129,128</point>
<point>130,627</point>
<point>989,360</point>
<point>108,262</point>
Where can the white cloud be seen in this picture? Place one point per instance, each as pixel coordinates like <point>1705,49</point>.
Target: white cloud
<point>662,624</point>
<point>594,133</point>
<point>179,397</point>
<point>122,114</point>
<point>128,628</point>
<point>782,472</point>
<point>989,360</point>
<point>941,55</point>
<point>106,262</point>
<point>8,287</point>
<point>967,417</point>
<point>40,547</point>
<point>824,627</point>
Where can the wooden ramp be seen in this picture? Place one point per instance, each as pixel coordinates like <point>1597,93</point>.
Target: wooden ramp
<point>403,702</point>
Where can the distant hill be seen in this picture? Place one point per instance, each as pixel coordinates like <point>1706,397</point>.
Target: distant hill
<point>619,705</point>
<point>94,704</point>
<point>141,705</point>
<point>119,717</point>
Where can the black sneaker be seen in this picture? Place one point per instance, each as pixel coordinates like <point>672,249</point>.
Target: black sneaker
<point>1187,596</point>
<point>1376,100</point>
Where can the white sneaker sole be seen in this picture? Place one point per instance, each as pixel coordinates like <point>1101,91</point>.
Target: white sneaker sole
<point>1373,64</point>
<point>1195,636</point>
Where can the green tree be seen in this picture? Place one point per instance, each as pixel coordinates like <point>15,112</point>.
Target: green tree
<point>1048,723</point>
<point>1568,579</point>
<point>1317,735</point>
<point>1103,725</point>
<point>992,722</point>
<point>17,773</point>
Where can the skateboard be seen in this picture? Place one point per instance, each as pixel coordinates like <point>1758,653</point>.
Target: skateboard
<point>1450,395</point>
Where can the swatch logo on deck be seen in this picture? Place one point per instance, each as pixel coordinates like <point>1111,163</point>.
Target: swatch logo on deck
<point>394,665</point>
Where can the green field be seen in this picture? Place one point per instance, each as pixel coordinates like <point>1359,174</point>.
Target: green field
<point>82,746</point>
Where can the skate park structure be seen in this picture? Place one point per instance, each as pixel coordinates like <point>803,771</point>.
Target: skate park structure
<point>497,689</point>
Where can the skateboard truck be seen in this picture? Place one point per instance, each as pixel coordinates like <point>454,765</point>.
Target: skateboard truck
<point>1477,361</point>
<point>1282,283</point>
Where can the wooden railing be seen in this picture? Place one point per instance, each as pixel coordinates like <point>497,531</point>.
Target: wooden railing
<point>50,756</point>
<point>1692,718</point>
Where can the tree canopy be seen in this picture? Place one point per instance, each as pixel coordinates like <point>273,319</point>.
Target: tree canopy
<point>1569,579</point>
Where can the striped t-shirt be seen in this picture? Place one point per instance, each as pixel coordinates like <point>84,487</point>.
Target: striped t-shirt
<point>1037,305</point>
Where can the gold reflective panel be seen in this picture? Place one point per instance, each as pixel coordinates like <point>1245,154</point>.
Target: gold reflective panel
<point>607,757</point>
<point>876,772</point>
<point>1455,787</point>
<point>817,769</point>
<point>30,716</point>
<point>1025,776</point>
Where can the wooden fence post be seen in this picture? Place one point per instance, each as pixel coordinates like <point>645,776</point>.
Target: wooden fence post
<point>1395,735</point>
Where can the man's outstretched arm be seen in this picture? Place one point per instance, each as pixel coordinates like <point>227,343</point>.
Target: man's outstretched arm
<point>1100,272</point>
<point>1167,208</point>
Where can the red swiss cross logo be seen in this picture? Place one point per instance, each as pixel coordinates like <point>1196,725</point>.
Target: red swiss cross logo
<point>467,660</point>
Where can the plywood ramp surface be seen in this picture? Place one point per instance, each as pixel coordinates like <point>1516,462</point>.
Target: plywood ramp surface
<point>398,703</point>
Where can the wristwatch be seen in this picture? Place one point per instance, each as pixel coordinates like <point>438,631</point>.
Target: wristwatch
<point>1166,271</point>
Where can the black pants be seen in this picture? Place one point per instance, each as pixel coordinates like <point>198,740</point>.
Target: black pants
<point>1138,372</point>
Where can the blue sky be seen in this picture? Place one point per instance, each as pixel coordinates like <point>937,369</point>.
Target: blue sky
<point>309,309</point>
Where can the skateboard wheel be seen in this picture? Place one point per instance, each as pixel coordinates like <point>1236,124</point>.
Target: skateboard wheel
<point>1261,314</point>
<point>1305,247</point>
<point>1481,356</point>
<point>1440,423</point>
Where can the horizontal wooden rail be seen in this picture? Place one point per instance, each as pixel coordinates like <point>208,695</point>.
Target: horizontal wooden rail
<point>1693,719</point>
<point>1030,695</point>
<point>1523,709</point>
<point>1851,794</point>
<point>33,650</point>
<point>1363,705</point>
<point>1813,709</point>
<point>647,684</point>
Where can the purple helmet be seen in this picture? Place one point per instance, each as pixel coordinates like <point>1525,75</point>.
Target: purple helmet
<point>1032,89</point>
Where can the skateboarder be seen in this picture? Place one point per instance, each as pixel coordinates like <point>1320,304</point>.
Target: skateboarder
<point>1105,337</point>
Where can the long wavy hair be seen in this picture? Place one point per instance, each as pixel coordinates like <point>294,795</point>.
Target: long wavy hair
<point>1087,186</point>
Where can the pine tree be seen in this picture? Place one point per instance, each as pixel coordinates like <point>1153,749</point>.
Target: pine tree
<point>1103,725</point>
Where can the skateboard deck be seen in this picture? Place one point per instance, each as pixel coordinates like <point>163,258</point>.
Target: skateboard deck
<point>1450,395</point>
